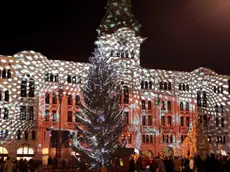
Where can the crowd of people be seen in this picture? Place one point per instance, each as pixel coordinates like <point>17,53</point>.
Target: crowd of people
<point>211,163</point>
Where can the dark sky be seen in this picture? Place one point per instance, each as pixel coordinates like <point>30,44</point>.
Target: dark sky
<point>182,34</point>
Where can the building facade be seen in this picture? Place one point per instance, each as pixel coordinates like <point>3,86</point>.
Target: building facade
<point>39,96</point>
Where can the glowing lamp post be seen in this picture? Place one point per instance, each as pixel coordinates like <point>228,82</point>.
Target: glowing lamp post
<point>59,142</point>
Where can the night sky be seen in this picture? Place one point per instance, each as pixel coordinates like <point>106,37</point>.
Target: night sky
<point>182,34</point>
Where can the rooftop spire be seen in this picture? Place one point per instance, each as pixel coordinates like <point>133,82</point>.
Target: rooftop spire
<point>118,14</point>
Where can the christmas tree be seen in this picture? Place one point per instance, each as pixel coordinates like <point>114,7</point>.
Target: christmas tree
<point>101,116</point>
<point>196,141</point>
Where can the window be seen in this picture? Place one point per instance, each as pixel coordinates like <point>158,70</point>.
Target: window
<point>149,120</point>
<point>24,88</point>
<point>161,85</point>
<point>179,87</point>
<point>169,86</point>
<point>187,121</point>
<point>217,122</point>
<point>26,135</point>
<point>163,120</point>
<point>163,105</point>
<point>167,139</point>
<point>165,86</point>
<point>129,139</point>
<point>142,84</point>
<point>181,121</point>
<point>181,106</point>
<point>169,120</point>
<point>169,105</point>
<point>126,95</point>
<point>56,77</point>
<point>33,135</point>
<point>54,114</point>
<point>126,115</point>
<point>9,74</point>
<point>47,77</point>
<point>143,138</point>
<point>183,87</point>
<point>47,115</point>
<point>146,139</point>
<point>77,101</point>
<point>0,95</point>
<point>22,112</point>
<point>146,85</point>
<point>143,104</point>
<point>51,77</point>
<point>150,84</point>
<point>151,139</point>
<point>163,138</point>
<point>69,78</point>
<point>171,139</point>
<point>187,106</point>
<point>204,99</point>
<point>31,88</point>
<point>4,73</point>
<point>54,98</point>
<point>69,99</point>
<point>149,105</point>
<point>187,87</point>
<point>221,108</point>
<point>47,98</point>
<point>143,120</point>
<point>69,116</point>
<point>18,135</point>
<point>7,96</point>
<point>30,113</point>
<point>214,89</point>
<point>6,114</point>
<point>222,122</point>
<point>74,81</point>
<point>198,99</point>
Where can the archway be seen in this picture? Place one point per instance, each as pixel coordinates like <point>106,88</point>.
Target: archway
<point>147,153</point>
<point>3,153</point>
<point>167,151</point>
<point>25,152</point>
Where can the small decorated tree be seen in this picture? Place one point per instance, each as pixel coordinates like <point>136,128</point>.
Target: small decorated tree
<point>101,118</point>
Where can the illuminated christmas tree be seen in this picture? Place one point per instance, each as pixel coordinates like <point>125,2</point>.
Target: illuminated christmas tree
<point>196,141</point>
<point>101,116</point>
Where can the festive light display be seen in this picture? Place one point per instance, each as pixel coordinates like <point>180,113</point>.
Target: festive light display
<point>160,105</point>
<point>101,115</point>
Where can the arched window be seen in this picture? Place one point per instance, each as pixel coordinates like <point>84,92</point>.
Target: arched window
<point>198,99</point>
<point>169,105</point>
<point>77,100</point>
<point>25,151</point>
<point>30,113</point>
<point>33,135</point>
<point>149,120</point>
<point>69,78</point>
<point>142,84</point>
<point>149,105</point>
<point>24,88</point>
<point>161,85</point>
<point>143,138</point>
<point>147,138</point>
<point>181,121</point>
<point>150,84</point>
<point>74,81</point>
<point>9,74</point>
<point>69,116</point>
<point>51,77</point>
<point>143,120</point>
<point>217,122</point>
<point>169,86</point>
<point>143,104</point>
<point>222,122</point>
<point>56,77</point>
<point>26,135</point>
<point>6,113</point>
<point>205,121</point>
<point>126,95</point>
<point>179,87</point>
<point>165,86</point>
<point>187,87</point>
<point>167,139</point>
<point>31,88</point>
<point>181,106</point>
<point>47,115</point>
<point>187,106</point>
<point>54,98</point>
<point>47,77</point>
<point>70,99</point>
<point>4,73</point>
<point>19,135</point>
<point>183,87</point>
<point>7,96</point>
<point>214,89</point>
<point>47,98</point>
<point>146,85</point>
<point>171,139</point>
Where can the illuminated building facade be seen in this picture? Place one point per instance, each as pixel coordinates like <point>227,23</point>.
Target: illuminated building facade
<point>159,104</point>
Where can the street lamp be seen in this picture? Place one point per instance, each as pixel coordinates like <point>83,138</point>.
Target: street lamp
<point>58,145</point>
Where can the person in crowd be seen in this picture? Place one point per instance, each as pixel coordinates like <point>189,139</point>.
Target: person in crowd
<point>132,164</point>
<point>160,164</point>
<point>139,164</point>
<point>8,167</point>
<point>191,164</point>
<point>177,164</point>
<point>147,169</point>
